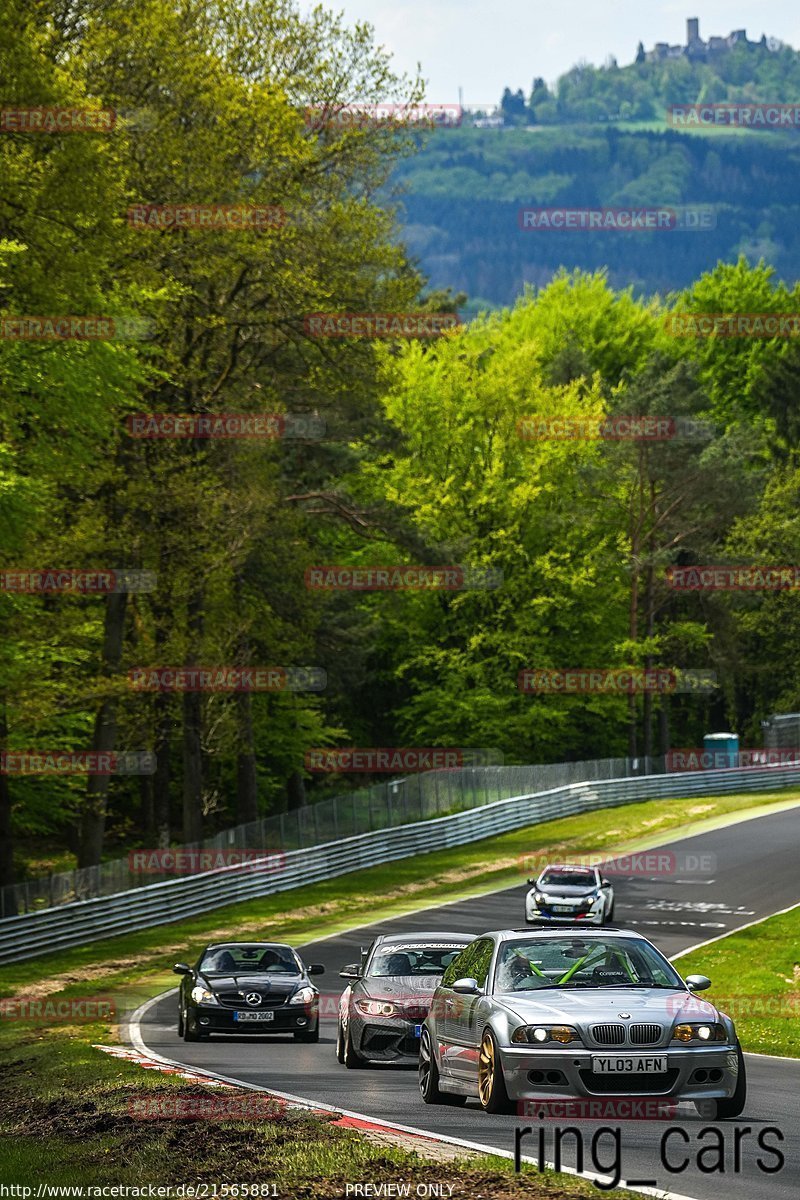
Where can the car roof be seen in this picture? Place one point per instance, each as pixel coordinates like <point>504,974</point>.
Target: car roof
<point>411,936</point>
<point>575,931</point>
<point>567,867</point>
<point>276,945</point>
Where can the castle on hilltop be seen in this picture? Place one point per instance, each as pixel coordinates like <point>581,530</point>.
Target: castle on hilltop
<point>698,50</point>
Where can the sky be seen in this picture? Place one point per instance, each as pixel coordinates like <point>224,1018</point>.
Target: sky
<point>486,45</point>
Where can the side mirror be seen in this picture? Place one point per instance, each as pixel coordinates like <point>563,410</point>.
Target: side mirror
<point>316,969</point>
<point>182,969</point>
<point>466,987</point>
<point>351,972</point>
<point>605,883</point>
<point>697,983</point>
<point>531,882</point>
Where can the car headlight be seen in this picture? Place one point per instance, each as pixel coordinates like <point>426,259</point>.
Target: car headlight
<point>705,1032</point>
<point>563,1034</point>
<point>376,1008</point>
<point>304,995</point>
<point>202,995</point>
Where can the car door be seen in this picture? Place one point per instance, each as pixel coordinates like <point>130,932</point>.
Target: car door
<point>470,1016</point>
<point>461,1011</point>
<point>445,998</point>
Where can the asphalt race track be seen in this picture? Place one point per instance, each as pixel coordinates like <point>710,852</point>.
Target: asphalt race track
<point>755,874</point>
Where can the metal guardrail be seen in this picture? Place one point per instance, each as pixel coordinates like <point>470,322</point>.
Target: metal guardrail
<point>34,934</point>
<point>383,805</point>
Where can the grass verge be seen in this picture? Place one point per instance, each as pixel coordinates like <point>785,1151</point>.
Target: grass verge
<point>755,978</point>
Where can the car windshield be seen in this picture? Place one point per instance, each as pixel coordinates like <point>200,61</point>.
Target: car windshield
<point>256,959</point>
<point>413,959</point>
<point>528,964</point>
<point>569,878</point>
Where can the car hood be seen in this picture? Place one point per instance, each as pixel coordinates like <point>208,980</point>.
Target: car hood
<point>568,1006</point>
<point>278,985</point>
<point>415,989</point>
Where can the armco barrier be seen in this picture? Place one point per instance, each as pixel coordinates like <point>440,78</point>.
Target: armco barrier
<point>34,934</point>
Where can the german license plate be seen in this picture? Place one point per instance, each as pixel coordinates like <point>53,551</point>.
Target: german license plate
<point>631,1064</point>
<point>254,1016</point>
<point>418,1031</point>
<point>562,908</point>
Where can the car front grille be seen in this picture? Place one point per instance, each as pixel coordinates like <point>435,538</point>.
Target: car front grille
<point>645,1035</point>
<point>608,1035</point>
<point>415,1012</point>
<point>268,1000</point>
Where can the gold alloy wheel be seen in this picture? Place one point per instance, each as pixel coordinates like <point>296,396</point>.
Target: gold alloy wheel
<point>486,1069</point>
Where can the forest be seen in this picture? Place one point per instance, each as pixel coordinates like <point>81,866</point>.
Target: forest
<point>171,422</point>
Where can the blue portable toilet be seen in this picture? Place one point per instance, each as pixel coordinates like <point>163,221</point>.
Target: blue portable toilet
<point>720,750</point>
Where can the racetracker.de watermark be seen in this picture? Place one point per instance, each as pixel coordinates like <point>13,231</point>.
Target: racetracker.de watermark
<point>188,861</point>
<point>228,679</point>
<point>71,1010</point>
<point>730,113</point>
<point>255,426</point>
<point>648,864</point>
<point>72,582</point>
<point>379,325</point>
<point>619,681</point>
<point>238,1106</point>
<point>200,217</point>
<point>731,325</point>
<point>722,578</point>
<point>645,428</point>
<point>735,1005</point>
<point>612,1108</point>
<point>77,762</point>
<point>371,116</point>
<point>402,578</point>
<point>66,328</point>
<point>398,759</point>
<point>684,219</point>
<point>698,758</point>
<point>56,119</point>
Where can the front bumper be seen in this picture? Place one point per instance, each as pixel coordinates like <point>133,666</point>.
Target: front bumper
<point>576,1078</point>
<point>534,915</point>
<point>289,1018</point>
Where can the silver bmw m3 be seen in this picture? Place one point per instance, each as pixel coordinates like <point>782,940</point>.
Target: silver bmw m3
<point>595,1012</point>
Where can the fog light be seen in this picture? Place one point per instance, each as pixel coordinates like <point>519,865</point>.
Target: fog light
<point>302,1021</point>
<point>205,1021</point>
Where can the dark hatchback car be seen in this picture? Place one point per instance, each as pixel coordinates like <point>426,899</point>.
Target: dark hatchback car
<point>248,987</point>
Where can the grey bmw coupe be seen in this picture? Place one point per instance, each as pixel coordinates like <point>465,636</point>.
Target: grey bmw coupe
<point>597,1012</point>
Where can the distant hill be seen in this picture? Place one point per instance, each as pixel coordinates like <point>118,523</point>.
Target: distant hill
<point>728,68</point>
<point>465,189</point>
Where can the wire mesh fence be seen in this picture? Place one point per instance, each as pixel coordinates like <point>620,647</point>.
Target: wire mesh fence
<point>384,805</point>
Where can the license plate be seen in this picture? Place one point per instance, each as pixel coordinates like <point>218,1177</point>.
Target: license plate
<point>562,908</point>
<point>254,1016</point>
<point>633,1064</point>
<point>418,1031</point>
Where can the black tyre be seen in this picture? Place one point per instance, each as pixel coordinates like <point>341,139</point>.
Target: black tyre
<point>180,1023</point>
<point>191,1032</point>
<point>352,1059</point>
<point>429,1076</point>
<point>734,1106</point>
<point>339,1041</point>
<point>491,1084</point>
<point>307,1035</point>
